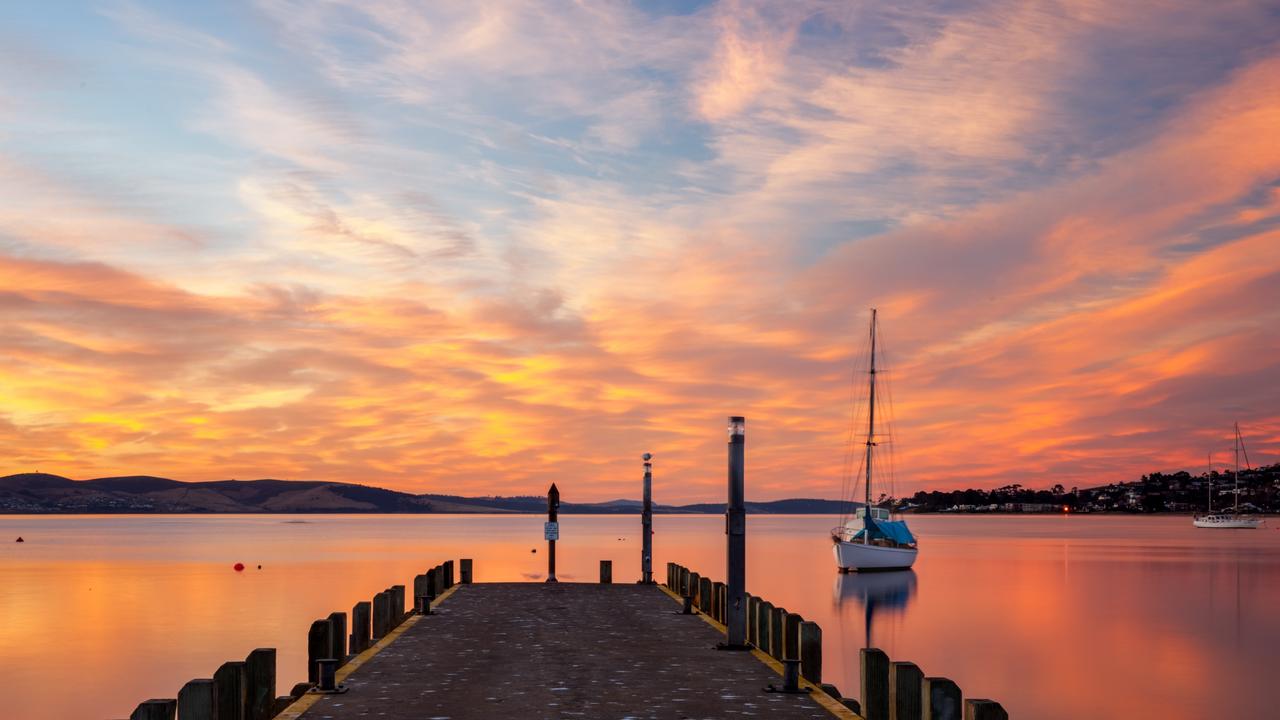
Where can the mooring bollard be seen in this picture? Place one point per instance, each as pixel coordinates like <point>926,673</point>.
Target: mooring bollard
<point>464,566</point>
<point>777,623</point>
<point>196,701</point>
<point>260,692</point>
<point>982,709</point>
<point>156,709</point>
<point>318,645</point>
<point>791,635</point>
<point>941,699</point>
<point>606,572</point>
<point>381,615</point>
<point>875,684</point>
<point>338,637</point>
<point>811,652</point>
<point>791,675</point>
<point>361,628</point>
<point>764,631</point>
<point>904,690</point>
<point>328,675</point>
<point>688,605</point>
<point>229,683</point>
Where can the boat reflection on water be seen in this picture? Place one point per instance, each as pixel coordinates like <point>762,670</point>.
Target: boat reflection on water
<point>886,594</point>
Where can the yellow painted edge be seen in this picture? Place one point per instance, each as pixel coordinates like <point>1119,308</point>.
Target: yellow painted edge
<point>304,703</point>
<point>828,703</point>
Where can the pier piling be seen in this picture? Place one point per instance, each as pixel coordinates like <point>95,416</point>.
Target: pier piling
<point>981,709</point>
<point>791,636</point>
<point>397,605</point>
<point>381,615</point>
<point>606,572</point>
<point>196,701</point>
<point>904,691</point>
<point>941,699</point>
<point>464,567</point>
<point>260,691</point>
<point>811,652</point>
<point>338,637</point>
<point>361,627</point>
<point>318,645</point>
<point>777,620</point>
<point>156,709</point>
<point>229,683</point>
<point>764,625</point>
<point>875,684</point>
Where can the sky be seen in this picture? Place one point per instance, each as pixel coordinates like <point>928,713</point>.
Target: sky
<point>475,248</point>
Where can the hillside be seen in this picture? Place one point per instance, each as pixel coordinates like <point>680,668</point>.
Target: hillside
<point>40,493</point>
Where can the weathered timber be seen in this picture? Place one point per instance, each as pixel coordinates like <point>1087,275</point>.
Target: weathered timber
<point>197,701</point>
<point>811,652</point>
<point>361,626</point>
<point>419,590</point>
<point>777,621</point>
<point>753,604</point>
<point>317,648</point>
<point>397,605</point>
<point>875,683</point>
<point>381,615</point>
<point>791,636</point>
<point>229,684</point>
<point>260,690</point>
<point>448,574</point>
<point>717,602</point>
<point>904,691</point>
<point>606,572</point>
<point>155,709</point>
<point>338,637</point>
<point>940,699</point>
<point>764,626</point>
<point>704,595</point>
<point>464,570</point>
<point>982,709</point>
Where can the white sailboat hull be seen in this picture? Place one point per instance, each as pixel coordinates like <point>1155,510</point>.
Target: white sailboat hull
<point>856,556</point>
<point>1227,523</point>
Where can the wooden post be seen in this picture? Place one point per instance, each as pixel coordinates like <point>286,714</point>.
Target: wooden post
<point>419,590</point>
<point>606,572</point>
<point>553,508</point>
<point>704,595</point>
<point>776,634</point>
<point>439,583</point>
<point>691,585</point>
<point>260,691</point>
<point>338,637</point>
<point>448,574</point>
<point>431,588</point>
<point>976,710</point>
<point>791,637</point>
<point>381,615</point>
<point>753,604</point>
<point>941,699</point>
<point>717,602</point>
<point>397,605</point>
<point>161,709</point>
<point>361,629</point>
<point>196,701</point>
<point>685,573</point>
<point>465,568</point>
<point>811,652</point>
<point>318,645</point>
<point>904,691</point>
<point>764,631</point>
<point>875,684</point>
<point>228,688</point>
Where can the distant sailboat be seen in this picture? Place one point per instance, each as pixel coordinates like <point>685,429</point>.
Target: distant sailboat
<point>1232,520</point>
<point>871,540</point>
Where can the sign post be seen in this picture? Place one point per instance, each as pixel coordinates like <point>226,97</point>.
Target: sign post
<point>552,531</point>
<point>646,524</point>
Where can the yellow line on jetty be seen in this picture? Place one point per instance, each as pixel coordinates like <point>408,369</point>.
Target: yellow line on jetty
<point>828,703</point>
<point>304,703</point>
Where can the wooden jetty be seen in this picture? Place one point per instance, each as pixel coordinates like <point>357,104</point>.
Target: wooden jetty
<point>562,650</point>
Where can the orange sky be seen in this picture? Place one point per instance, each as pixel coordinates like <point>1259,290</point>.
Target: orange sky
<point>476,250</point>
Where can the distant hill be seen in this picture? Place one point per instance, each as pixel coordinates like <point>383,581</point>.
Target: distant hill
<point>44,493</point>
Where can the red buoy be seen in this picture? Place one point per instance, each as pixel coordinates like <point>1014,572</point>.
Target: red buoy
<point>239,567</point>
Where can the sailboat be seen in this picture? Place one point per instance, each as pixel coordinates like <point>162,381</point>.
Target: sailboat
<point>1232,520</point>
<point>871,539</point>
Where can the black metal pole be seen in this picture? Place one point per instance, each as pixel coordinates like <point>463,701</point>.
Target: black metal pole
<point>736,532</point>
<point>646,524</point>
<point>553,530</point>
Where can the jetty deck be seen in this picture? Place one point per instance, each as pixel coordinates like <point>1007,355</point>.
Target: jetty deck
<point>563,650</point>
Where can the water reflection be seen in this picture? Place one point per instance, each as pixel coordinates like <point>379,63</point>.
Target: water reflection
<point>886,593</point>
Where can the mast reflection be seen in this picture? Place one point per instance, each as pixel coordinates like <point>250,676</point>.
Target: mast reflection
<point>884,593</point>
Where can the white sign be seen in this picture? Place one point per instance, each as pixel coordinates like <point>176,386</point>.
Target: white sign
<point>551,530</point>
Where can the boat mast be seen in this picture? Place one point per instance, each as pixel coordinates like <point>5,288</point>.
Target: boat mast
<point>871,432</point>
<point>1235,509</point>
<point>1209,477</point>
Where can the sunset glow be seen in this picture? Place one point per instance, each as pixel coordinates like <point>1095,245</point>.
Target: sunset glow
<point>473,248</point>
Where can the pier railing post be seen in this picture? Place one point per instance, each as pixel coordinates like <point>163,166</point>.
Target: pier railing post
<point>361,628</point>
<point>717,601</point>
<point>260,690</point>
<point>735,608</point>
<point>448,574</point>
<point>196,701</point>
<point>978,709</point>
<point>704,595</point>
<point>606,572</point>
<point>156,709</point>
<point>904,691</point>
<point>318,645</point>
<point>397,605</point>
<point>941,699</point>
<point>338,637</point>
<point>811,652</point>
<point>229,683</point>
<point>791,636</point>
<point>753,604</point>
<point>764,631</point>
<point>419,591</point>
<point>688,582</point>
<point>776,624</point>
<point>875,684</point>
<point>381,615</point>
<point>465,567</point>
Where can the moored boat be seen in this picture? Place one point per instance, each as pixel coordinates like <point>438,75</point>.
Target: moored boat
<point>1233,520</point>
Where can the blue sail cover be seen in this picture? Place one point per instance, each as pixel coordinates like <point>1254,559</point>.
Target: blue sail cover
<point>894,530</point>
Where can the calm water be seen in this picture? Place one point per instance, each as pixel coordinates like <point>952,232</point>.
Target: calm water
<point>1057,617</point>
